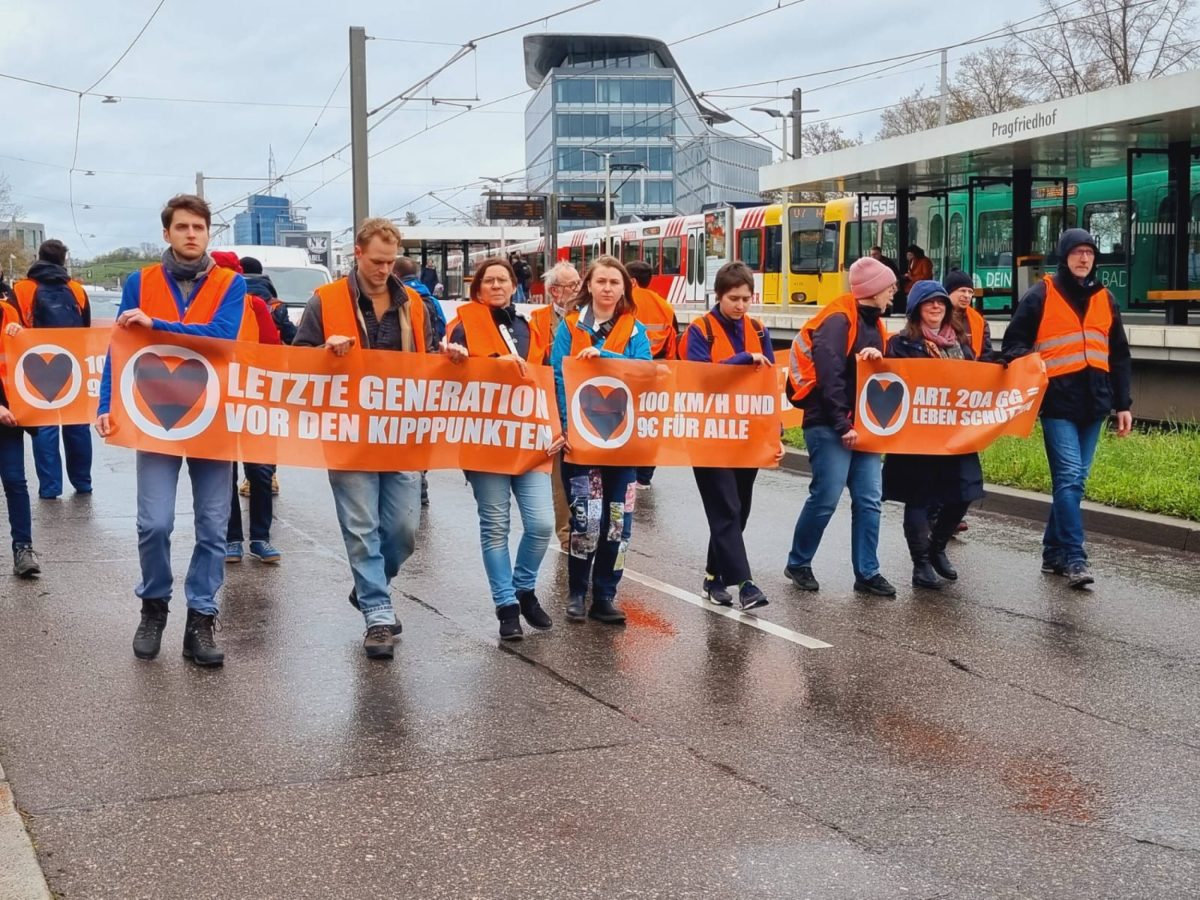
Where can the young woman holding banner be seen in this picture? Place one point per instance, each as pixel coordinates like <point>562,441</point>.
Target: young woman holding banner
<point>490,326</point>
<point>601,497</point>
<point>726,335</point>
<point>947,482</point>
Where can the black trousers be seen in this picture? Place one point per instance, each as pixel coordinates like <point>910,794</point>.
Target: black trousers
<point>917,529</point>
<point>261,504</point>
<point>726,494</point>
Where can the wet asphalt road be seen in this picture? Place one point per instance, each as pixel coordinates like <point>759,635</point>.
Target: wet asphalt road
<point>1004,738</point>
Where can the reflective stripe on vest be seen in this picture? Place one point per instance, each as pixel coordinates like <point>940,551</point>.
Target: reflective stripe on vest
<point>156,300</point>
<point>653,311</point>
<point>1067,344</point>
<point>802,372</point>
<point>616,341</point>
<point>340,317</point>
<point>975,325</point>
<point>483,336</point>
<point>721,348</point>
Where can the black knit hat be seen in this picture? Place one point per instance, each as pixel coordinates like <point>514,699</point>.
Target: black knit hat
<point>957,279</point>
<point>251,266</point>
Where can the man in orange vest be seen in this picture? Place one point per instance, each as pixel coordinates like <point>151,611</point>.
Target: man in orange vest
<point>1073,321</point>
<point>822,380</point>
<point>562,285</point>
<point>378,512</point>
<point>49,298</point>
<point>185,293</point>
<point>662,329</point>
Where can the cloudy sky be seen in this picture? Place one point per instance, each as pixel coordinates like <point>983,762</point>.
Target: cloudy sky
<point>214,87</point>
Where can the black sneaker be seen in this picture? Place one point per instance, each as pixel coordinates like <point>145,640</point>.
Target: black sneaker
<point>575,608</point>
<point>1053,568</point>
<point>715,592</point>
<point>510,621</point>
<point>25,561</point>
<point>1079,575</point>
<point>876,584</point>
<point>750,597</point>
<point>199,643</point>
<point>147,640</point>
<point>378,642</point>
<point>532,610</point>
<point>802,577</point>
<point>396,626</point>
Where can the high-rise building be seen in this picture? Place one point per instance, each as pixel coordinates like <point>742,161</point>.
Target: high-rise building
<point>625,95</point>
<point>28,234</point>
<point>265,219</point>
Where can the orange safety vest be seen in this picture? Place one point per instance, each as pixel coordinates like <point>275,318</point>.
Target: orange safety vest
<point>720,347</point>
<point>8,316</point>
<point>616,341</point>
<point>654,312</point>
<point>541,322</point>
<point>156,300</point>
<point>976,326</point>
<point>483,334</point>
<point>1065,343</point>
<point>26,290</point>
<point>340,314</point>
<point>802,372</point>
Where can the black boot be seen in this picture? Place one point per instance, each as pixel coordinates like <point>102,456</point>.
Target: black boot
<point>575,608</point>
<point>199,645</point>
<point>605,610</point>
<point>532,610</point>
<point>147,640</point>
<point>510,622</point>
<point>918,548</point>
<point>940,561</point>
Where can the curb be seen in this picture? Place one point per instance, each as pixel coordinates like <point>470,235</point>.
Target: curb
<point>1145,528</point>
<point>21,877</point>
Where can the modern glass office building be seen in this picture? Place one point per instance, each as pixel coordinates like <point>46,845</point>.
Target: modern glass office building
<point>624,95</point>
<point>264,220</point>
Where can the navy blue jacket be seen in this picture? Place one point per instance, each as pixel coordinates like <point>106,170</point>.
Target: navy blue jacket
<point>517,324</point>
<point>700,350</point>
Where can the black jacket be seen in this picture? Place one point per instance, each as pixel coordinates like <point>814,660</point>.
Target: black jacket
<point>928,478</point>
<point>54,305</point>
<point>518,327</point>
<point>262,286</point>
<point>1089,394</point>
<point>831,402</point>
<point>311,331</point>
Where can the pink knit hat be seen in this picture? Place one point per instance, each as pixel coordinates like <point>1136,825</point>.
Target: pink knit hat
<point>868,277</point>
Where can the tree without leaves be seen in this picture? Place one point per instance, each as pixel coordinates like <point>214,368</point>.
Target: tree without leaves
<point>1105,43</point>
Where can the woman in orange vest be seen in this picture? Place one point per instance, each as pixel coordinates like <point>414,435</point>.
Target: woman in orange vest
<point>945,482</point>
<point>601,497</point>
<point>489,325</point>
<point>726,335</point>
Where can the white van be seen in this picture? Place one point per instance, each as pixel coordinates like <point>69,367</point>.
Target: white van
<point>295,277</point>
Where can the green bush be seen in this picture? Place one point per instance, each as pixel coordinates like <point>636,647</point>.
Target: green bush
<point>1154,471</point>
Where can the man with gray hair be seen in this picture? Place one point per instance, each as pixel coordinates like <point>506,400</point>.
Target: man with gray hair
<point>562,286</point>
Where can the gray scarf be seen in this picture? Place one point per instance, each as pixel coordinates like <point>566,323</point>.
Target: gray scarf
<point>185,271</point>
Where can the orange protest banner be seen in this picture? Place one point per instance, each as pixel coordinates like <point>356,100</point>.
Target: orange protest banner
<point>947,406</point>
<point>53,376</point>
<point>789,416</point>
<point>373,410</point>
<point>670,413</point>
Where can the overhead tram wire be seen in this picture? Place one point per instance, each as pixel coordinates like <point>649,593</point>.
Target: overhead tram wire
<point>79,118</point>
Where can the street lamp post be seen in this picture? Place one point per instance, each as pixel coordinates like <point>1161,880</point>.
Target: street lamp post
<point>501,182</point>
<point>607,155</point>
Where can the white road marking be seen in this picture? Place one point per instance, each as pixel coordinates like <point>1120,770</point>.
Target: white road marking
<point>809,643</point>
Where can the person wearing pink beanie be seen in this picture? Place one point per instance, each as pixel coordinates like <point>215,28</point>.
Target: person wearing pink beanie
<point>822,380</point>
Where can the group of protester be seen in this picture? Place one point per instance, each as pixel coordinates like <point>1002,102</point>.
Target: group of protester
<point>1069,319</point>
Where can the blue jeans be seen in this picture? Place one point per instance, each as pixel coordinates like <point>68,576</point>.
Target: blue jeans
<point>77,441</point>
<point>16,492</point>
<point>535,503</point>
<point>833,469</point>
<point>1069,450</point>
<point>603,560</point>
<point>157,484</point>
<point>379,513</point>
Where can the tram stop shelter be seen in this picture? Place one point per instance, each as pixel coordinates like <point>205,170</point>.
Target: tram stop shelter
<point>436,244</point>
<point>1147,131</point>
